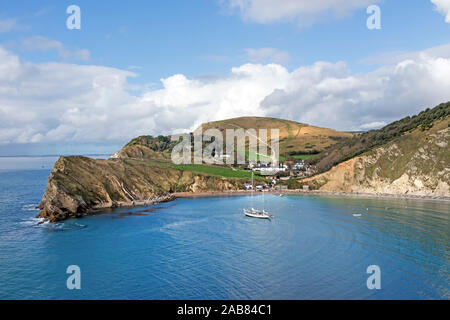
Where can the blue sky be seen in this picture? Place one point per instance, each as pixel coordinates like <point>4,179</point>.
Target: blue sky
<point>206,37</point>
<point>204,40</point>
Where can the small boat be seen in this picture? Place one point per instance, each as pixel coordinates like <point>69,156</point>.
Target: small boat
<point>357,214</point>
<point>280,195</point>
<point>257,214</point>
<point>262,212</point>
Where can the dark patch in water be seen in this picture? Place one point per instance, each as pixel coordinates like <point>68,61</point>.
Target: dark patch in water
<point>63,227</point>
<point>145,212</point>
<point>132,213</point>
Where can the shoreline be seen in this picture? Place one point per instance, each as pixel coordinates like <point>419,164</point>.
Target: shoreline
<point>173,196</point>
<point>314,192</point>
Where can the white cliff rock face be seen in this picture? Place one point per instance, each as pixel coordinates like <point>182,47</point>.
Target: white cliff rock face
<point>416,164</point>
<point>115,155</point>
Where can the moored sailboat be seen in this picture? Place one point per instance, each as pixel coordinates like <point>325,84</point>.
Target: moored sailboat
<point>256,213</point>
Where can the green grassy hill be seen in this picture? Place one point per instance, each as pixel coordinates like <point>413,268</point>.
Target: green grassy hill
<point>297,140</point>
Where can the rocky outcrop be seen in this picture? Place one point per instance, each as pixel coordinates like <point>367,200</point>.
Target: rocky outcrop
<point>81,186</point>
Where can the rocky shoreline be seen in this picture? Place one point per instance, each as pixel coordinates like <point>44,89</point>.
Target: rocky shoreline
<point>80,186</point>
<point>312,192</point>
<point>57,215</point>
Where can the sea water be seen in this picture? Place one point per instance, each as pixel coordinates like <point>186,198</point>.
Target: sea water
<point>205,248</point>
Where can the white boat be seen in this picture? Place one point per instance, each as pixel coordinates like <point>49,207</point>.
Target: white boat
<point>255,213</point>
<point>262,212</point>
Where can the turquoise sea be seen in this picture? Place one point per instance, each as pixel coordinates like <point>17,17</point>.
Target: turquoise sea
<point>205,248</point>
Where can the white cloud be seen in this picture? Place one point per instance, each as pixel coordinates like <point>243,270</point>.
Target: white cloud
<point>443,7</point>
<point>442,51</point>
<point>372,125</point>
<point>39,43</point>
<point>51,102</point>
<point>267,55</point>
<point>303,11</point>
<point>8,25</point>
<point>306,12</point>
<point>329,95</point>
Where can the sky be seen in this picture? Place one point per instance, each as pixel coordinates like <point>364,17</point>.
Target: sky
<point>163,67</point>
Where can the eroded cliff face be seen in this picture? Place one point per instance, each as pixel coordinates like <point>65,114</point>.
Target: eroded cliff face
<point>417,163</point>
<point>78,185</point>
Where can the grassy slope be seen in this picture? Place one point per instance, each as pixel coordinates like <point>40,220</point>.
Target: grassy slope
<point>419,153</point>
<point>295,138</point>
<point>365,142</point>
<point>211,170</point>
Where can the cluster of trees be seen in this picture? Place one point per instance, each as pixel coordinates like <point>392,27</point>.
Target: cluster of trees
<point>424,120</point>
<point>159,143</point>
<point>291,184</point>
<point>303,152</point>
